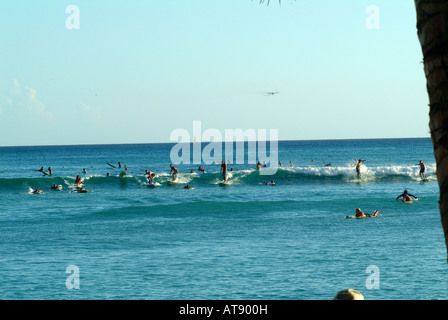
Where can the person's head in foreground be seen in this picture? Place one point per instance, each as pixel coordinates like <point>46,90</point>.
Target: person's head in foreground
<point>349,294</point>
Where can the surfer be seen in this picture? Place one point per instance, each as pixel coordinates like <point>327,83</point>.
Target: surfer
<point>358,166</point>
<point>258,165</point>
<point>224,170</point>
<point>174,171</point>
<point>422,169</point>
<point>290,164</point>
<point>270,183</point>
<point>55,187</point>
<point>78,181</point>
<point>49,171</point>
<point>201,169</point>
<point>36,191</point>
<point>41,169</point>
<point>360,214</point>
<point>405,196</point>
<point>280,164</point>
<point>150,176</point>
<point>188,187</point>
<point>80,190</point>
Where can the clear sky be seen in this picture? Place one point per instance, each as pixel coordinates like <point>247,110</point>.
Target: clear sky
<point>134,71</point>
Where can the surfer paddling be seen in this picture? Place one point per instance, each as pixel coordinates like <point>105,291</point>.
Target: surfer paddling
<point>360,214</point>
<point>406,197</point>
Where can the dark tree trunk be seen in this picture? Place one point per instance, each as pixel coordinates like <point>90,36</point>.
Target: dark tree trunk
<point>432,29</point>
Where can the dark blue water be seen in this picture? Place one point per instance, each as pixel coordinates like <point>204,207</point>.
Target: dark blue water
<point>245,240</point>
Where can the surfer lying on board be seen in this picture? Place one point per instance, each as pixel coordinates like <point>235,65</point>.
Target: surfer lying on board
<point>80,190</point>
<point>270,183</point>
<point>188,187</point>
<point>36,191</point>
<point>174,171</point>
<point>360,214</point>
<point>405,196</point>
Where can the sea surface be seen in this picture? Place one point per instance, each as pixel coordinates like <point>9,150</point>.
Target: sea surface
<point>243,241</point>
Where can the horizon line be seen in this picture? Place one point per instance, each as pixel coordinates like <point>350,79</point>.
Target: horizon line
<point>192,142</point>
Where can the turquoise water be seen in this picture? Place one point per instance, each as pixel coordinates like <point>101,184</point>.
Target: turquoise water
<point>242,241</point>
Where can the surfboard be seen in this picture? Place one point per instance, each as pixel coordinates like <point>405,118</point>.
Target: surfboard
<point>151,185</point>
<point>223,184</point>
<point>123,174</point>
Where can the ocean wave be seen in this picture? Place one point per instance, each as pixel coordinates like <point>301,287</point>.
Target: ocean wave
<point>282,176</point>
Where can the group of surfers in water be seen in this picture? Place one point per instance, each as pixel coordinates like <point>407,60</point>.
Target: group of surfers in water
<point>405,196</point>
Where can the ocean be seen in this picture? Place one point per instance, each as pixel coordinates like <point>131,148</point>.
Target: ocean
<point>243,241</point>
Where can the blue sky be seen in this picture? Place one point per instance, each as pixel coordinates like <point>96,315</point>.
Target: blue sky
<point>135,71</point>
